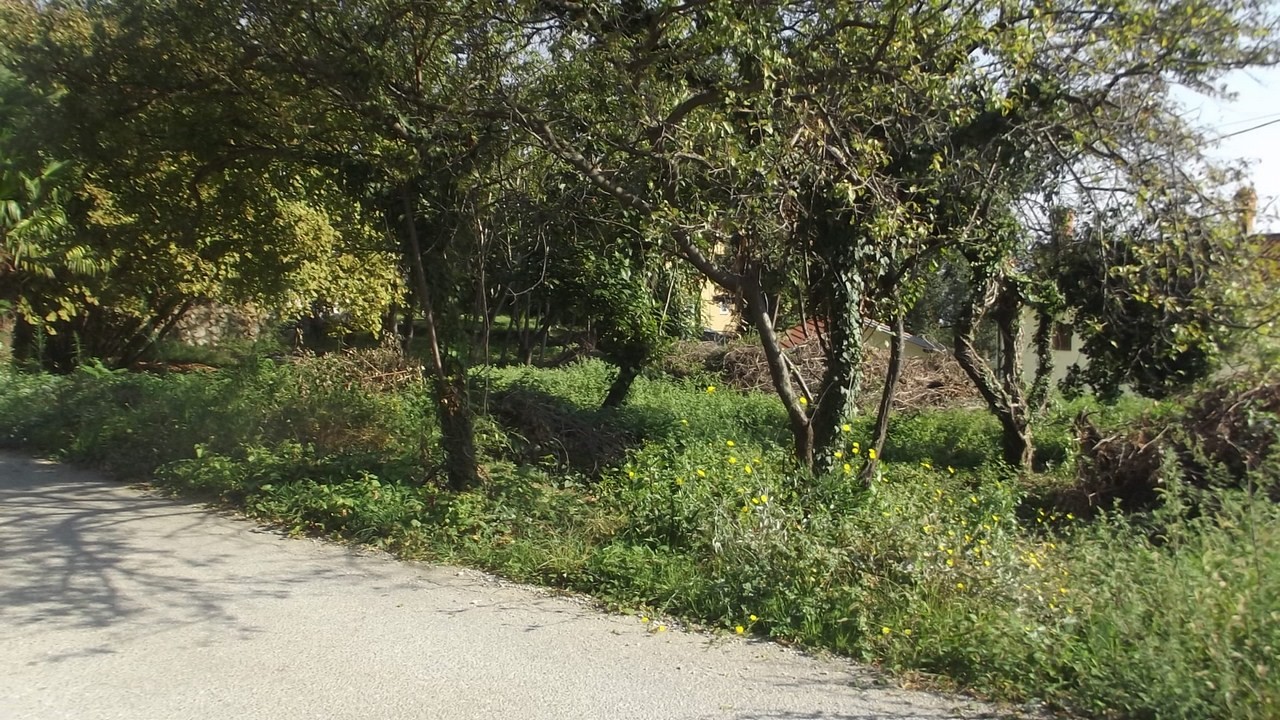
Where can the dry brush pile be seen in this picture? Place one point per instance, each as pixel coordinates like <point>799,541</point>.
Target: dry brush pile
<point>1226,435</point>
<point>929,381</point>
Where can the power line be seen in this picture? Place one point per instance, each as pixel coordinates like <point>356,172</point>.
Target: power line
<point>1251,129</point>
<point>1255,118</point>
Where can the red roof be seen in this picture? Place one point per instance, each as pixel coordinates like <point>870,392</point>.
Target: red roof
<point>802,334</point>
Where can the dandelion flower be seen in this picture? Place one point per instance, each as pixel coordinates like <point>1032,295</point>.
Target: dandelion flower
<point>702,473</point>
<point>733,460</point>
<point>848,468</point>
<point>951,470</point>
<point>846,428</point>
<point>684,421</point>
<point>729,443</point>
<point>804,400</point>
<point>886,630</point>
<point>764,498</point>
<point>679,481</point>
<point>644,619</point>
<point>837,454</point>
<point>753,618</point>
<point>711,389</point>
<point>959,586</point>
<point>907,632</point>
<point>871,453</point>
<point>739,629</point>
<point>662,628</point>
<point>926,465</point>
<point>746,469</point>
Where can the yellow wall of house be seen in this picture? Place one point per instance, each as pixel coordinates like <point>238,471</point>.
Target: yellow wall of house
<point>718,312</point>
<point>1062,359</point>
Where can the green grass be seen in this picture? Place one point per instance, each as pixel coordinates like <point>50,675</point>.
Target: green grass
<point>942,567</point>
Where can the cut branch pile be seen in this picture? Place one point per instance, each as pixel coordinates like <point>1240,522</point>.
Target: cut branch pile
<point>378,369</point>
<point>931,381</point>
<point>1226,436</point>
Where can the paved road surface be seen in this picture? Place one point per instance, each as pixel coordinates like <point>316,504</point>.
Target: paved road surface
<point>115,603</point>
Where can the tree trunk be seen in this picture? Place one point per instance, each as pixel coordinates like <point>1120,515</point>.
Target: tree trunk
<point>1016,441</point>
<point>457,427</point>
<point>621,385</point>
<point>801,429</point>
<point>160,326</point>
<point>1002,390</point>
<point>894,372</point>
<point>840,385</point>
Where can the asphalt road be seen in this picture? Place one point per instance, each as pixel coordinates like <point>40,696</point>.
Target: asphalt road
<point>116,603</point>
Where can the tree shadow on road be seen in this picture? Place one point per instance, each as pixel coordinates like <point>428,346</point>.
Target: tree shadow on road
<point>78,552</point>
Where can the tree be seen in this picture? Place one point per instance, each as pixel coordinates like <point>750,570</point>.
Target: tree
<point>175,217</point>
<point>1156,298</point>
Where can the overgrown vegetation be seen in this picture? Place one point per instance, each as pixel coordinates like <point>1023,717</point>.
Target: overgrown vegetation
<point>468,183</point>
<point>947,564</point>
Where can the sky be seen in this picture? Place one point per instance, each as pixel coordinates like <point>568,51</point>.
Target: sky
<point>1257,102</point>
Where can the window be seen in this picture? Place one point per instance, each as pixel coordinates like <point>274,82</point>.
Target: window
<point>1062,337</point>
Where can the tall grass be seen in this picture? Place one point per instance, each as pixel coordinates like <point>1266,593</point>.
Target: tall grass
<point>939,567</point>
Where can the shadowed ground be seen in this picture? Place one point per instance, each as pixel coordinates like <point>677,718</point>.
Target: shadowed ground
<point>115,603</point>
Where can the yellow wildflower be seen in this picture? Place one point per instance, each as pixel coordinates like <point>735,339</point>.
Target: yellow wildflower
<point>886,630</point>
<point>679,481</point>
<point>711,389</point>
<point>837,454</point>
<point>739,629</point>
<point>804,400</point>
<point>684,421</point>
<point>848,468</point>
<point>926,465</point>
<point>871,453</point>
<point>702,473</point>
<point>728,443</point>
<point>846,428</point>
<point>951,470</point>
<point>747,469</point>
<point>907,632</point>
<point>764,498</point>
<point>959,586</point>
<point>733,460</point>
<point>753,618</point>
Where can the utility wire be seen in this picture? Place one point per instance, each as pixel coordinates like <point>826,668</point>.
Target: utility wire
<point>1251,129</point>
